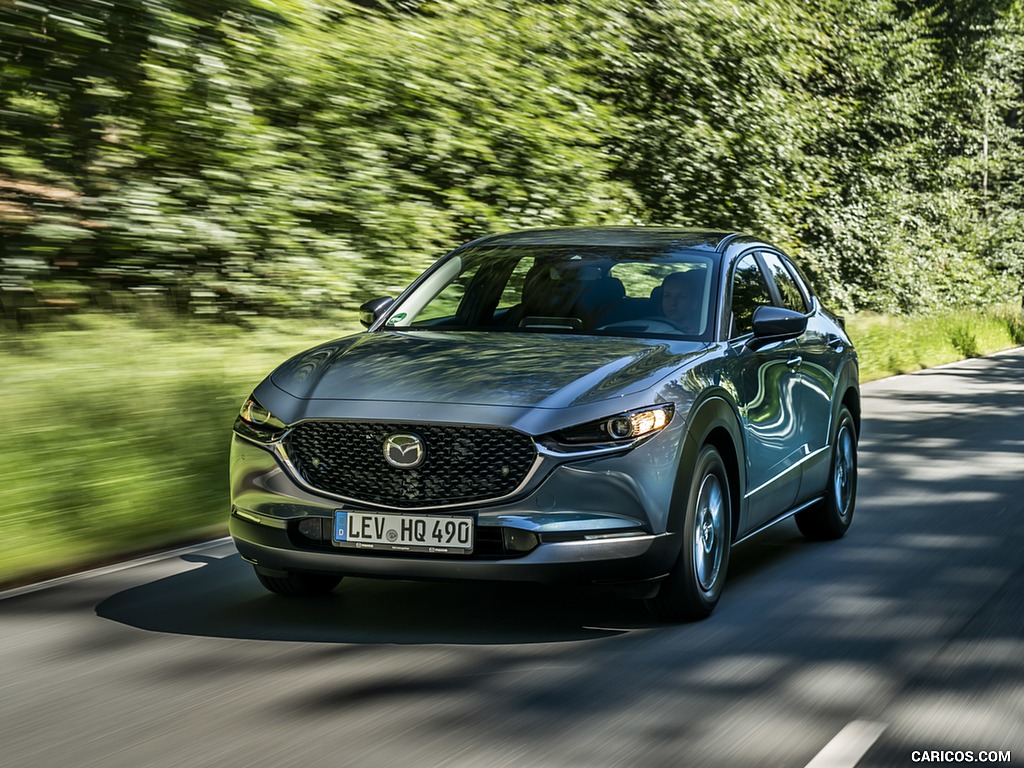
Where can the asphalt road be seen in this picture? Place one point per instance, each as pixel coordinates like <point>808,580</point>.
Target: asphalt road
<point>906,636</point>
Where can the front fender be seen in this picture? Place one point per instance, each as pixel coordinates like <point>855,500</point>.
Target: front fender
<point>712,419</point>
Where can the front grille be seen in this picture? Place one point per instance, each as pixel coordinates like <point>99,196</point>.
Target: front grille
<point>461,464</point>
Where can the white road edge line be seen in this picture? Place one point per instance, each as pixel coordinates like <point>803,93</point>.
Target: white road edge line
<point>848,746</point>
<point>29,588</point>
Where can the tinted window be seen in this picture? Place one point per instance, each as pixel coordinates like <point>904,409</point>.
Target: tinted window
<point>749,291</point>
<point>792,296</point>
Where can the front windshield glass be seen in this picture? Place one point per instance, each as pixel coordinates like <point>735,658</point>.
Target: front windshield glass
<point>611,291</point>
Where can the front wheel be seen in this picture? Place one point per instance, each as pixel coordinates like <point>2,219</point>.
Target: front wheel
<point>831,517</point>
<point>299,583</point>
<point>694,584</point>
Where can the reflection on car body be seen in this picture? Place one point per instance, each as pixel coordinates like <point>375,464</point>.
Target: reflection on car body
<point>590,405</point>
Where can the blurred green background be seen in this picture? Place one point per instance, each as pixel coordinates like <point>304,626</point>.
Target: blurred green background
<point>191,190</point>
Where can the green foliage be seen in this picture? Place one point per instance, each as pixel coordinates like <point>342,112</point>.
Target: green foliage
<point>1014,321</point>
<point>291,162</point>
<point>720,115</point>
<point>887,234</point>
<point>964,340</point>
<point>241,157</point>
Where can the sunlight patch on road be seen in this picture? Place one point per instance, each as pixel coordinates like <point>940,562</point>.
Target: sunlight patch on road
<point>937,541</point>
<point>836,684</point>
<point>737,670</point>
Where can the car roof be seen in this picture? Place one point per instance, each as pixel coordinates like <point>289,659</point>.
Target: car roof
<point>685,237</point>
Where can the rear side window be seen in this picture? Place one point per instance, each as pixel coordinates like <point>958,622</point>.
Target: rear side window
<point>749,291</point>
<point>792,297</point>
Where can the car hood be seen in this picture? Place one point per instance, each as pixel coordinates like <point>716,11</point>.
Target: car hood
<point>509,369</point>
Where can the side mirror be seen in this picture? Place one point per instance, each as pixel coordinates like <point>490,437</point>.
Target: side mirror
<point>373,310</point>
<point>777,324</point>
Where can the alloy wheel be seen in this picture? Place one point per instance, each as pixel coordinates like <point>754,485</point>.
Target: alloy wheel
<point>708,532</point>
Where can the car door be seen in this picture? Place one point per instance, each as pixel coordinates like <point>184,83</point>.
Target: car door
<point>815,373</point>
<point>766,382</point>
<point>822,348</point>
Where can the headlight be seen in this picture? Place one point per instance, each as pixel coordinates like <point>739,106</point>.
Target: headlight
<point>256,422</point>
<point>623,428</point>
<point>637,424</point>
<point>258,416</point>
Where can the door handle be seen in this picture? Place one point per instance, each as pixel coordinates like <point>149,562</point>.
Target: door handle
<point>795,362</point>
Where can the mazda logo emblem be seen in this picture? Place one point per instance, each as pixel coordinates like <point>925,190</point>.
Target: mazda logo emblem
<point>404,451</point>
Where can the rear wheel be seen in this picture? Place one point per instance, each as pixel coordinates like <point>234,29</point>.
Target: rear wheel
<point>299,583</point>
<point>693,586</point>
<point>831,517</point>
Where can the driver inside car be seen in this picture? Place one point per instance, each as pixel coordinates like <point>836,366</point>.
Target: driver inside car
<point>682,300</point>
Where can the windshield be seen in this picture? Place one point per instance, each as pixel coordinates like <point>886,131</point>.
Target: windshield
<point>613,291</point>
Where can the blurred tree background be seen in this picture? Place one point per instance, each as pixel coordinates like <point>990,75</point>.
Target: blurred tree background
<point>295,157</point>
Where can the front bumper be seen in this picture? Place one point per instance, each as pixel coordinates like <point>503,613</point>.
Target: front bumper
<point>611,561</point>
<point>600,520</point>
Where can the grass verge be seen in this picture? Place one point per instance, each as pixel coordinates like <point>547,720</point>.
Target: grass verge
<point>117,432</point>
<point>117,428</point>
<point>892,345</point>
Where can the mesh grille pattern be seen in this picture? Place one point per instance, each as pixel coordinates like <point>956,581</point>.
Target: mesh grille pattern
<point>462,464</point>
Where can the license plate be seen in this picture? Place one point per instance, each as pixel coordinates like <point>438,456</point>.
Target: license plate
<point>438,534</point>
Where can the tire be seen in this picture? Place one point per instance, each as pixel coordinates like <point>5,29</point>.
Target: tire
<point>299,583</point>
<point>830,518</point>
<point>694,585</point>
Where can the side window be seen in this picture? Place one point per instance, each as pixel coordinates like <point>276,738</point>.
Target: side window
<point>749,291</point>
<point>443,305</point>
<point>792,296</point>
<point>801,280</point>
